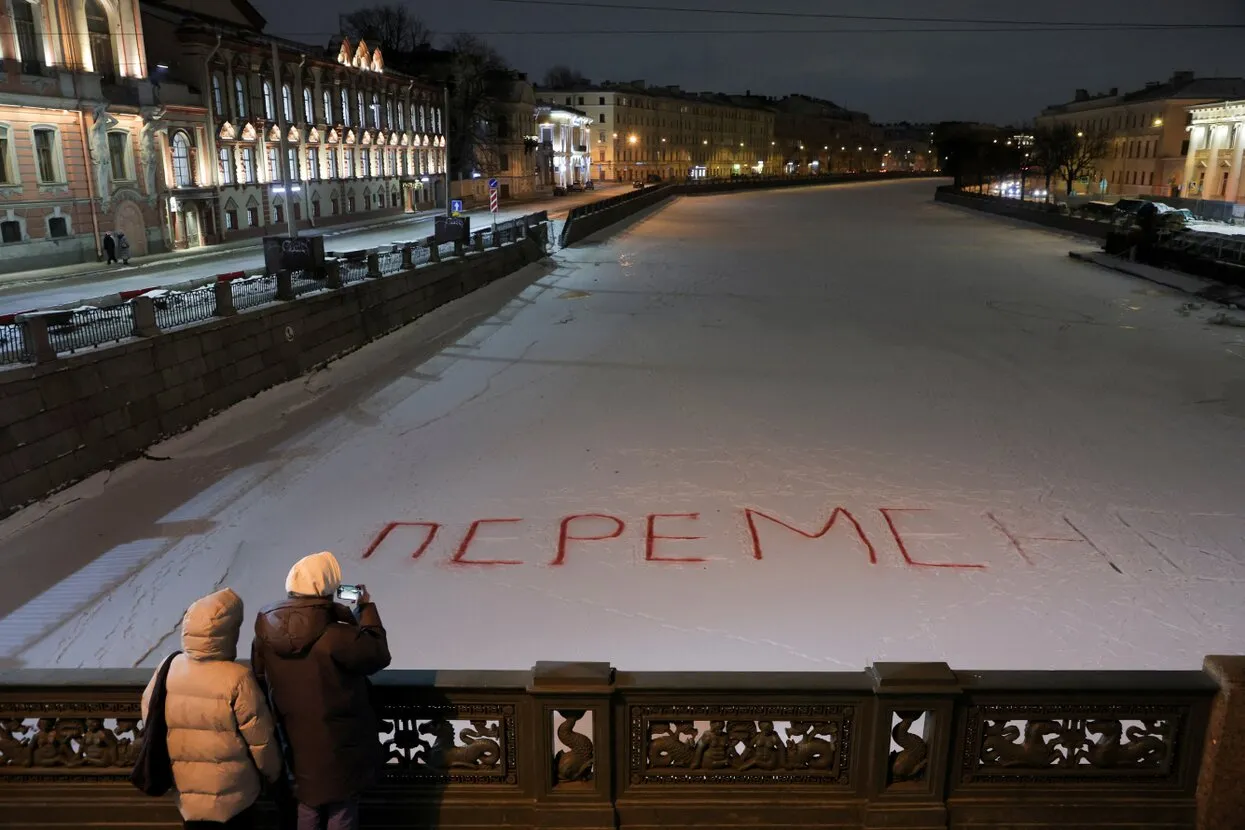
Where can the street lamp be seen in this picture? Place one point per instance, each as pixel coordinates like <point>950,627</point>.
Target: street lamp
<point>632,139</point>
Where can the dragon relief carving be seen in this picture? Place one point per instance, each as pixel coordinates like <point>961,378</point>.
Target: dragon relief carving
<point>69,743</point>
<point>575,762</point>
<point>1146,747</point>
<point>742,746</point>
<point>1000,746</point>
<point>910,761</point>
<point>479,748</point>
<point>1072,743</point>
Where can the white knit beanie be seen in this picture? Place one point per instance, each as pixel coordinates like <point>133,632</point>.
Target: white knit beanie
<point>317,575</point>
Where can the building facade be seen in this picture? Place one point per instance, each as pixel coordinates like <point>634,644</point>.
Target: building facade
<point>509,153</point>
<point>292,134</point>
<point>564,154</point>
<point>1146,131</point>
<point>76,155</point>
<point>1212,164</point>
<point>812,135</point>
<point>639,132</point>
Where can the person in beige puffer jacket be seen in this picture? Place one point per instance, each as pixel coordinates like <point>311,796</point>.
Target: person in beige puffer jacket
<point>221,736</point>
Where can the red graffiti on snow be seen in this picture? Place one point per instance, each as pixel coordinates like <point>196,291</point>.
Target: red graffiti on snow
<point>749,513</point>
<point>387,529</point>
<point>466,543</point>
<point>564,534</point>
<point>651,537</point>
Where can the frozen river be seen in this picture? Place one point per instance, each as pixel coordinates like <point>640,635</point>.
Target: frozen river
<point>802,430</point>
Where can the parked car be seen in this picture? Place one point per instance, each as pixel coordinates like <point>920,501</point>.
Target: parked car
<point>576,188</point>
<point>637,184</point>
<point>559,190</point>
<point>588,185</point>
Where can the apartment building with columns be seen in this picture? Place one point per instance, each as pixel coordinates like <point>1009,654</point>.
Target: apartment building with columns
<point>1212,165</point>
<point>1147,132</point>
<point>76,155</point>
<point>639,131</point>
<point>291,133</point>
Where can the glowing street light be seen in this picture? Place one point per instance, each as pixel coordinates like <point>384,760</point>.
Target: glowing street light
<point>632,139</point>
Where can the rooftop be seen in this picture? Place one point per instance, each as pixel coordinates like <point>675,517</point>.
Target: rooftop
<point>1181,85</point>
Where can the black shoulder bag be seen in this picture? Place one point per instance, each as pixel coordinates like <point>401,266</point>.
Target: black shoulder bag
<point>153,769</point>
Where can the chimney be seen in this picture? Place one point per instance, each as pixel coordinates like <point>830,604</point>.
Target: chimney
<point>1182,77</point>
<point>1081,95</point>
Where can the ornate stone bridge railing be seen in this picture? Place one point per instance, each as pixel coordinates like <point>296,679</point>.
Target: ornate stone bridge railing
<point>902,745</point>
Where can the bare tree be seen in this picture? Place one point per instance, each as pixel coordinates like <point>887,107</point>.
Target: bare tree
<point>1051,145</point>
<point>1079,152</point>
<point>393,28</point>
<point>563,77</point>
<point>479,79</point>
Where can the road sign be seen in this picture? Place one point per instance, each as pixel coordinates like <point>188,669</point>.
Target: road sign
<point>492,200</point>
<point>456,207</point>
<point>492,184</point>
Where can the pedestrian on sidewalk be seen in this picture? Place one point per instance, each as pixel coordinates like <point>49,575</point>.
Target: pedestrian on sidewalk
<point>313,655</point>
<point>220,733</point>
<point>110,248</point>
<point>123,248</point>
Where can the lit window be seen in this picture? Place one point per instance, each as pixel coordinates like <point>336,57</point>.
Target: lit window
<point>225,162</point>
<point>287,103</point>
<point>327,101</point>
<point>359,103</point>
<point>239,96</point>
<point>100,33</point>
<point>181,160</point>
<point>119,156</point>
<point>313,163</point>
<point>218,95</point>
<point>274,171</point>
<point>248,165</point>
<point>309,107</point>
<point>291,158</point>
<point>27,38</point>
<point>345,109</point>
<point>270,111</point>
<point>47,155</point>
<point>7,167</point>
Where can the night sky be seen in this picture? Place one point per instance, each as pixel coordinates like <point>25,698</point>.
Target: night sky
<point>1000,76</point>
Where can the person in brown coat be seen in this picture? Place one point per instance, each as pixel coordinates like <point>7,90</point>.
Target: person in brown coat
<point>314,656</point>
<point>221,737</point>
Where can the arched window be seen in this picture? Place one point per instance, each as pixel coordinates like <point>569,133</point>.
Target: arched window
<point>270,111</point>
<point>401,116</point>
<point>345,109</point>
<point>181,160</point>
<point>309,107</point>
<point>414,121</point>
<point>287,103</point>
<point>359,102</point>
<point>375,111</point>
<point>327,101</point>
<point>239,95</point>
<point>389,114</point>
<point>100,33</point>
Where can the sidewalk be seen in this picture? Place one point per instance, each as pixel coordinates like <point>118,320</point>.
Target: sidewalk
<point>138,265</point>
<point>1201,287</point>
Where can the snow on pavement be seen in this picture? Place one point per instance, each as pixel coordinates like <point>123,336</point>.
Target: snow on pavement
<point>801,430</point>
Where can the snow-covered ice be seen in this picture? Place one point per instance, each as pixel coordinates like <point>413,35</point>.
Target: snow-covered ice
<point>1030,463</point>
